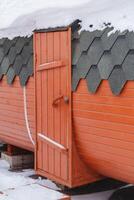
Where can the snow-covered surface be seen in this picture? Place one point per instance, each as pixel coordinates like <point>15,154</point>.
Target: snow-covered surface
<point>18,186</point>
<point>21,17</point>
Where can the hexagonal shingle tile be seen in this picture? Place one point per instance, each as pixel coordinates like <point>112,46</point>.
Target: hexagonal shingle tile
<point>105,65</point>
<point>95,51</point>
<point>1,54</point>
<point>20,44</point>
<point>117,80</point>
<point>25,54</point>
<point>5,65</point>
<point>17,65</point>
<point>109,40</point>
<point>75,79</point>
<point>86,39</point>
<point>76,51</point>
<point>10,75</point>
<point>93,79</point>
<point>29,66</point>
<point>119,51</point>
<point>7,45</point>
<point>1,74</point>
<point>130,39</point>
<point>12,54</point>
<point>23,76</point>
<point>128,66</point>
<point>83,65</point>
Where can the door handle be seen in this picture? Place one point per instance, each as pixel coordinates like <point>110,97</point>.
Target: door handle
<point>56,100</point>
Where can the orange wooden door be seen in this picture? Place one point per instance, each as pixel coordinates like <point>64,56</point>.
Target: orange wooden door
<point>53,104</point>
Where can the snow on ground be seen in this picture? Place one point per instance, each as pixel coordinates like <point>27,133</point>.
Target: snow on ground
<point>18,186</point>
<point>21,17</point>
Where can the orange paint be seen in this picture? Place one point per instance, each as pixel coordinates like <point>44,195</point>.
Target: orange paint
<point>56,156</point>
<point>12,122</point>
<point>77,141</point>
<point>104,127</point>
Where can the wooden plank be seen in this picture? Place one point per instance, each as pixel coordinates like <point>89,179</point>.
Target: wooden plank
<point>38,98</point>
<point>50,96</point>
<point>107,141</point>
<point>44,150</point>
<point>104,108</point>
<point>111,149</point>
<point>119,135</point>
<point>64,108</point>
<point>103,99</point>
<point>57,122</point>
<point>104,116</point>
<point>107,125</point>
<point>51,65</point>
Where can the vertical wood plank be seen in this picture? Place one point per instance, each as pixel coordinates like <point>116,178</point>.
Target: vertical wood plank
<point>44,100</point>
<point>64,107</point>
<point>50,85</point>
<point>57,108</point>
<point>38,85</point>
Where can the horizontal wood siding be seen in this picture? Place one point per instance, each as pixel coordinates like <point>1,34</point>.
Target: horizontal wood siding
<point>103,125</point>
<point>12,122</point>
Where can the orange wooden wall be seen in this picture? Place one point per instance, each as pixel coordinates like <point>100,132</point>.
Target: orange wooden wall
<point>12,122</point>
<point>104,130</point>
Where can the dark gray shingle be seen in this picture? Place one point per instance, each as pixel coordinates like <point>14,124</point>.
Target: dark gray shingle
<point>97,56</point>
<point>15,55</point>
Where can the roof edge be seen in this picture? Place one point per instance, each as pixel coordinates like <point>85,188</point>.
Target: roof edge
<point>75,25</point>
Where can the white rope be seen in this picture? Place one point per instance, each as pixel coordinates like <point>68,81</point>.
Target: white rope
<point>26,116</point>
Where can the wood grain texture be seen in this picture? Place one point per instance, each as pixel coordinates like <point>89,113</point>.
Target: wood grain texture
<point>12,122</point>
<point>104,130</point>
<point>54,122</point>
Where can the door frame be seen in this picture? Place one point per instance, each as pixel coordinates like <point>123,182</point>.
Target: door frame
<point>69,183</point>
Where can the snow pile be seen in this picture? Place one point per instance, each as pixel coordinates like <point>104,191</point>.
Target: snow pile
<point>21,17</point>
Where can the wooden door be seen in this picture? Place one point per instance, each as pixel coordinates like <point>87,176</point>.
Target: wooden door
<point>53,104</point>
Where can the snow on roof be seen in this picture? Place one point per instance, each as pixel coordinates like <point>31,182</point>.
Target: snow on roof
<point>21,17</point>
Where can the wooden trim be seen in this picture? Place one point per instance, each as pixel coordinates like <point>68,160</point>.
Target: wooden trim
<point>70,144</point>
<point>48,30</point>
<point>51,65</point>
<point>36,61</point>
<point>52,142</point>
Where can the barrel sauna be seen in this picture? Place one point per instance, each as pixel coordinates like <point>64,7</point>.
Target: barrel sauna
<point>75,110</point>
<point>94,72</point>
